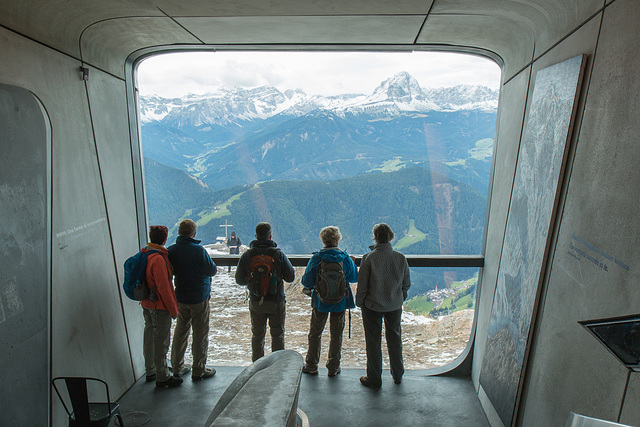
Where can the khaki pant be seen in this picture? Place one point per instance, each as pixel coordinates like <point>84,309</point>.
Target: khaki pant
<point>157,333</point>
<point>274,312</point>
<point>336,327</point>
<point>194,316</point>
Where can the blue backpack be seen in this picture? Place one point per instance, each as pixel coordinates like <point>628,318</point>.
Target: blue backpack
<point>135,270</point>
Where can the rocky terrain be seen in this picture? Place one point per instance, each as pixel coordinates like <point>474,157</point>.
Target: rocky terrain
<point>428,343</point>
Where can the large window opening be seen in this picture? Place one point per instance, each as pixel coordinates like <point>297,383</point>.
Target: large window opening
<point>309,139</point>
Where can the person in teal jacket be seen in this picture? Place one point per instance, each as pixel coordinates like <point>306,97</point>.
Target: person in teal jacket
<point>330,236</point>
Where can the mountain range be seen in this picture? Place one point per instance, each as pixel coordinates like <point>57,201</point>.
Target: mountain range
<point>240,136</point>
<point>416,158</point>
<point>400,93</point>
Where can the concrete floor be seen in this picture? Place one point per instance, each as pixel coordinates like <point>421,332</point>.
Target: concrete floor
<point>339,401</point>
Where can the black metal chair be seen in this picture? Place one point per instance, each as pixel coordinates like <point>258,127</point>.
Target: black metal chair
<point>86,413</point>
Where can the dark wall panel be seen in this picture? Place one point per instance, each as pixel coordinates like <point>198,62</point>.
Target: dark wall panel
<point>24,276</point>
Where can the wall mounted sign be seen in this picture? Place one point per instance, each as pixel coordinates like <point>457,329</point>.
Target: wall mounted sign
<point>621,336</point>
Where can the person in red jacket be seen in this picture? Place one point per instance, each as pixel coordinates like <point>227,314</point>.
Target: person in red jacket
<point>158,313</point>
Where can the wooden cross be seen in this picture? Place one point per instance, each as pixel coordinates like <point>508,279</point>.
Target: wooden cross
<point>226,228</point>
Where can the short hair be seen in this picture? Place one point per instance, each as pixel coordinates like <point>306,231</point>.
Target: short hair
<point>382,233</point>
<point>263,231</point>
<point>158,234</point>
<point>330,235</point>
<point>187,228</point>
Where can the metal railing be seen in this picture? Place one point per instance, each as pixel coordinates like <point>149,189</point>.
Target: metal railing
<point>450,261</point>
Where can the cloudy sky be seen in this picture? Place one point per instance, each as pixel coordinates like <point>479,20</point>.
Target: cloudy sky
<point>317,73</point>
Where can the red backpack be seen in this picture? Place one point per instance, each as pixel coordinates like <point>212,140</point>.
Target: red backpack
<point>263,280</point>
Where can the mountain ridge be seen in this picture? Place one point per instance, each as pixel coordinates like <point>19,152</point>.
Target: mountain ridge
<point>399,94</point>
<point>416,158</point>
<point>239,136</point>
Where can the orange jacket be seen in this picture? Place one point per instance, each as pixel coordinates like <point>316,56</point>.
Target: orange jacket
<point>159,279</point>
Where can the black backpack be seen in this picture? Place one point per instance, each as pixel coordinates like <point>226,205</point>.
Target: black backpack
<point>263,280</point>
<point>331,284</point>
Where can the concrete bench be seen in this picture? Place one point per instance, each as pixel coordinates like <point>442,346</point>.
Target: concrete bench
<point>264,394</point>
<point>577,420</point>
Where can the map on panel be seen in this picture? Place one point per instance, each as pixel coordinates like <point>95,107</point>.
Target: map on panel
<point>533,200</point>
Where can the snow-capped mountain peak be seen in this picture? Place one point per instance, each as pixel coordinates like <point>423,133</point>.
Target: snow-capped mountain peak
<point>400,94</point>
<point>402,87</point>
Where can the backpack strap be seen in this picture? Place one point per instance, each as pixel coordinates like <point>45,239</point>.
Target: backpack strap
<point>166,258</point>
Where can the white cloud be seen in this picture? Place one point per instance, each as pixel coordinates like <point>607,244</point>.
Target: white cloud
<point>322,73</point>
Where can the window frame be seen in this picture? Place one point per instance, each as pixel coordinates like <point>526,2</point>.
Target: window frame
<point>459,366</point>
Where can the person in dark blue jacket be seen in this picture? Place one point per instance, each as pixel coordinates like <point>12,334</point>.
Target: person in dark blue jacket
<point>330,236</point>
<point>192,268</point>
<point>271,307</point>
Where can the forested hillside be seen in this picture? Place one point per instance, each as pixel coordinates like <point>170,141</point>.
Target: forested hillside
<point>429,212</point>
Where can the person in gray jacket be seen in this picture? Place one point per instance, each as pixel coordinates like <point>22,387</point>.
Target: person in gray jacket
<point>383,283</point>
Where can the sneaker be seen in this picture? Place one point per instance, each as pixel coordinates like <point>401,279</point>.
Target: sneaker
<point>365,381</point>
<point>182,371</point>
<point>208,373</point>
<point>151,378</point>
<point>307,370</point>
<point>334,373</point>
<point>171,382</point>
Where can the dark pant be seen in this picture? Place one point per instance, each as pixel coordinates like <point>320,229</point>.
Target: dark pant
<point>336,327</point>
<point>274,312</point>
<point>372,321</point>
<point>233,251</point>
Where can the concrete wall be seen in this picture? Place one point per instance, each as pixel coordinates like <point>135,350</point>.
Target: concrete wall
<point>96,331</point>
<point>25,178</point>
<point>92,207</point>
<point>568,370</point>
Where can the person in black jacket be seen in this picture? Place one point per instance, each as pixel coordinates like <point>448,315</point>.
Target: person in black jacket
<point>269,307</point>
<point>233,243</point>
<point>192,269</point>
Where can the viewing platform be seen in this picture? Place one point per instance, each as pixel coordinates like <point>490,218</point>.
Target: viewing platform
<point>326,401</point>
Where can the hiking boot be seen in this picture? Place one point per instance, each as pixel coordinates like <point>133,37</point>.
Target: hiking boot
<point>365,381</point>
<point>171,382</point>
<point>307,370</point>
<point>208,373</point>
<point>334,373</point>
<point>151,378</point>
<point>182,371</point>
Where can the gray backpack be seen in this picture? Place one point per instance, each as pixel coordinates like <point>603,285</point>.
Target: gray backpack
<point>331,285</point>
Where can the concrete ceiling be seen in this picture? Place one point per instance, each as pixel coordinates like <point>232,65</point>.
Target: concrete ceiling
<point>104,33</point>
